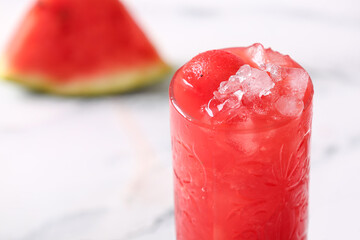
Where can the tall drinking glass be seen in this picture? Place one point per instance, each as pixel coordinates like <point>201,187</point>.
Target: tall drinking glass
<point>235,182</point>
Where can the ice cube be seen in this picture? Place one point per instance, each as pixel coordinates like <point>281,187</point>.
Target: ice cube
<point>274,71</point>
<point>230,86</point>
<point>289,106</point>
<point>239,94</point>
<point>258,84</point>
<point>244,72</point>
<point>257,53</point>
<point>222,111</point>
<point>296,81</point>
<point>223,103</point>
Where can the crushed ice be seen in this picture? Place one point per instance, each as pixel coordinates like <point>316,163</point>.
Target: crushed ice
<point>248,81</point>
<point>253,83</point>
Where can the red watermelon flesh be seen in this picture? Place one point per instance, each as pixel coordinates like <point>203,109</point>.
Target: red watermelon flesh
<point>81,47</point>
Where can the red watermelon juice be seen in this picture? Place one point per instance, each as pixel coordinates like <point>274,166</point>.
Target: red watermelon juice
<point>240,130</point>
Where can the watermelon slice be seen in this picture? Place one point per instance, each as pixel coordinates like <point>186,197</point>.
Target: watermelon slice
<point>77,47</point>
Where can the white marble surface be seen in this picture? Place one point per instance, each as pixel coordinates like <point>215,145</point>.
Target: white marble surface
<point>100,169</point>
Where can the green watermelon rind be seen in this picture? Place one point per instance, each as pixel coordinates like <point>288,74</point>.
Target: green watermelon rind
<point>121,81</point>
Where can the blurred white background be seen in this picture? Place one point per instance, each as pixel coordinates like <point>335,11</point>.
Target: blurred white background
<point>101,168</point>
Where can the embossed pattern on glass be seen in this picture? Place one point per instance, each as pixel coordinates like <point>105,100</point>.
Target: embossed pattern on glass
<point>233,185</point>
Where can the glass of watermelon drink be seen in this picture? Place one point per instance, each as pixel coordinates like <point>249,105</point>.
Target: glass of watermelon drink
<point>240,131</point>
